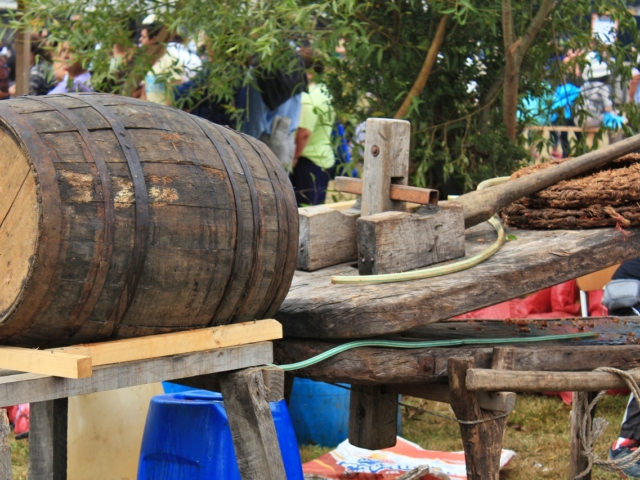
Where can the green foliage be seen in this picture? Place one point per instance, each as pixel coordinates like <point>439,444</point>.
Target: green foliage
<point>457,134</point>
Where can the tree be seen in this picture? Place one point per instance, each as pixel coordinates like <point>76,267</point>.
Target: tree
<point>456,69</point>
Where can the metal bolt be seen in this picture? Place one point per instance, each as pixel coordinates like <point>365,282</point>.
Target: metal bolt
<point>375,150</point>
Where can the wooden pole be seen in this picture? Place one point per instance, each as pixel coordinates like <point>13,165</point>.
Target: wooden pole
<point>492,380</point>
<point>5,448</point>
<point>482,441</point>
<point>482,204</point>
<point>386,161</point>
<point>252,428</point>
<point>577,461</point>
<point>23,57</point>
<point>48,440</point>
<point>373,417</point>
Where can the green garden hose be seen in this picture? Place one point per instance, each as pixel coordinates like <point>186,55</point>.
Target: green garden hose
<point>429,344</point>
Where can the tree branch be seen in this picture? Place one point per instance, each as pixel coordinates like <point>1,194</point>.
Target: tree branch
<point>425,71</point>
<point>507,24</point>
<point>534,27</point>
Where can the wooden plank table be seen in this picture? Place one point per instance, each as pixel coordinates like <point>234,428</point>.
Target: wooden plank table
<point>243,388</point>
<point>314,308</point>
<point>441,373</point>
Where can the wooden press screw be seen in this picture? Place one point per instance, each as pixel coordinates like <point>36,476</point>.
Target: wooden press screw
<point>375,150</point>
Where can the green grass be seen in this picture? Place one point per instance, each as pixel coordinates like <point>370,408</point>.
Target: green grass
<point>537,430</point>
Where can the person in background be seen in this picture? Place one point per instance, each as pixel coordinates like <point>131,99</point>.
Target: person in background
<point>197,98</point>
<point>4,74</point>
<point>41,77</point>
<point>178,65</point>
<point>597,97</point>
<point>314,154</point>
<point>272,107</point>
<point>76,78</point>
<point>629,437</point>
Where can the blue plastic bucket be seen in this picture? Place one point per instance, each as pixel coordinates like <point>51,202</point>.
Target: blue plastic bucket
<point>319,412</point>
<point>187,436</point>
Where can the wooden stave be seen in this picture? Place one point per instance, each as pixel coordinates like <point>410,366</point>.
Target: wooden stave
<point>274,276</point>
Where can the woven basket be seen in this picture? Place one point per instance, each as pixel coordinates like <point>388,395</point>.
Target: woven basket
<point>603,198</point>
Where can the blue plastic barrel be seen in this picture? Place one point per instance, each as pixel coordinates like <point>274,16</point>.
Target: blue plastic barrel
<point>319,412</point>
<point>187,436</point>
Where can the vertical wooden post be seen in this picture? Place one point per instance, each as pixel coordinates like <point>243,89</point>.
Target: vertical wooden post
<point>23,57</point>
<point>386,161</point>
<point>482,441</point>
<point>254,434</point>
<point>577,461</point>
<point>373,417</point>
<point>48,440</point>
<point>5,448</point>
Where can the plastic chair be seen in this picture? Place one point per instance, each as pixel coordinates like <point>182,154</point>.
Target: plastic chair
<point>593,281</point>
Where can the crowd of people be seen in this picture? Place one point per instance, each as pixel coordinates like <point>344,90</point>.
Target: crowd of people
<point>285,109</point>
<point>588,97</point>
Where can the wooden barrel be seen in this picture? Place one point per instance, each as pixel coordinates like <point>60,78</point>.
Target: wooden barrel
<point>122,218</point>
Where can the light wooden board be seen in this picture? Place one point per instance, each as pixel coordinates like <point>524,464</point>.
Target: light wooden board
<point>46,362</point>
<point>33,387</point>
<point>132,349</point>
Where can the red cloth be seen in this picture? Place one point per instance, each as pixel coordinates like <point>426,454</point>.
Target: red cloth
<point>559,301</point>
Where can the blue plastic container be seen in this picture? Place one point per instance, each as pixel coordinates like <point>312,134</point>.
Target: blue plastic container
<point>187,437</point>
<point>319,412</point>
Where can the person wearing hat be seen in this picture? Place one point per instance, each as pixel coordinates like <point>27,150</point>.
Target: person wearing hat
<point>597,96</point>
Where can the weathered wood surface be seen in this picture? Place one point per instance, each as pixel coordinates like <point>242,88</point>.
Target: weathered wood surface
<point>532,382</point>
<point>373,417</point>
<point>273,379</point>
<point>577,461</point>
<point>480,205</point>
<point>315,308</point>
<point>48,440</point>
<point>615,347</point>
<point>254,435</point>
<point>386,161</point>
<point>5,447</point>
<point>482,441</point>
<point>18,388</point>
<point>327,236</point>
<point>391,242</point>
<point>151,221</point>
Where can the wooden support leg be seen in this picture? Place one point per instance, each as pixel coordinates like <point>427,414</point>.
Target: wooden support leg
<point>482,441</point>
<point>578,462</point>
<point>5,448</point>
<point>373,417</point>
<point>252,428</point>
<point>48,440</point>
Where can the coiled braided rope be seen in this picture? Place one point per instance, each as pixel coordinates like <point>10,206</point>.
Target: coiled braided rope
<point>592,428</point>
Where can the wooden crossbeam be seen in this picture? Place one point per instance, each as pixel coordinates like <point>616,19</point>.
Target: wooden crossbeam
<point>489,380</point>
<point>176,343</point>
<point>403,193</point>
<point>76,361</point>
